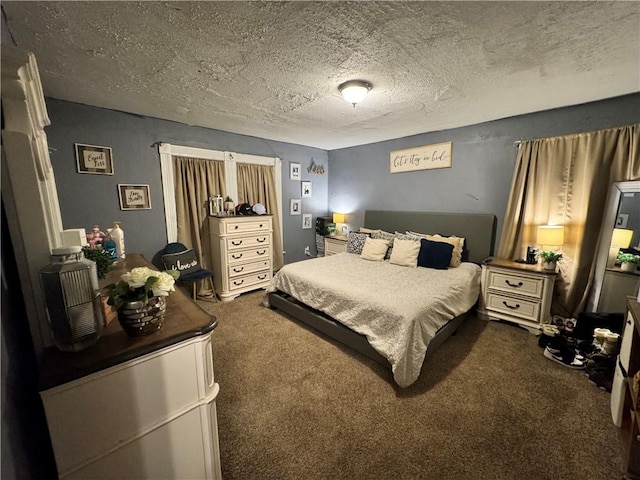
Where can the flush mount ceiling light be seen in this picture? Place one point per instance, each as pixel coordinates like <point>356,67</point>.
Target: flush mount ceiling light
<point>354,91</point>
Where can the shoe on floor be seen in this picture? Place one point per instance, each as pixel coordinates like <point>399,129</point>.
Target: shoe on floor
<point>566,357</point>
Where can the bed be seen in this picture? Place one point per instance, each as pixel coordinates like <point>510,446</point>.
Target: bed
<point>394,314</point>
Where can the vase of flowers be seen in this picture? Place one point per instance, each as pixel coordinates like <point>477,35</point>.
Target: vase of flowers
<point>139,298</point>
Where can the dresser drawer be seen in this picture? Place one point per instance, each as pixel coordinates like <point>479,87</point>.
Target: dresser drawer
<point>244,256</point>
<point>514,306</point>
<point>235,243</point>
<point>244,226</point>
<point>512,282</point>
<point>249,280</point>
<point>244,269</point>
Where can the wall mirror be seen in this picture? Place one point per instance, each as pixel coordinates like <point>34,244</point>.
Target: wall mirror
<point>620,229</point>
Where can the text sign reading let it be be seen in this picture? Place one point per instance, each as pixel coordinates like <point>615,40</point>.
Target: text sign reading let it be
<point>426,157</point>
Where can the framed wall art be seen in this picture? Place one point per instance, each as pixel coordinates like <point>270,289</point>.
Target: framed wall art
<point>306,221</point>
<point>426,157</point>
<point>94,159</point>
<point>295,206</point>
<point>294,171</point>
<point>134,197</point>
<point>306,189</point>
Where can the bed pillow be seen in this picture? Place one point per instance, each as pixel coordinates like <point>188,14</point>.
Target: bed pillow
<point>405,252</point>
<point>184,262</point>
<point>368,230</point>
<point>389,237</point>
<point>434,254</point>
<point>355,242</point>
<point>457,242</point>
<point>374,249</point>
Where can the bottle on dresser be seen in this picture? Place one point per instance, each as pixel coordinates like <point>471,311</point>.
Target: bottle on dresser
<point>117,234</point>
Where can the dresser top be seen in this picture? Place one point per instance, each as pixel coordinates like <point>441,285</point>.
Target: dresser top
<point>184,319</point>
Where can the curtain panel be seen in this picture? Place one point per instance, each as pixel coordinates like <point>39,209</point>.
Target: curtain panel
<point>256,184</point>
<point>195,181</point>
<point>565,181</point>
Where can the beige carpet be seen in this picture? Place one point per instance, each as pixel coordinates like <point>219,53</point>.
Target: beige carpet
<point>488,405</point>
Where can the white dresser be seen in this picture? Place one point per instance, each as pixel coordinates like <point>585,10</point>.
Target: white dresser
<point>241,253</point>
<point>141,407</point>
<point>517,293</point>
<point>335,244</point>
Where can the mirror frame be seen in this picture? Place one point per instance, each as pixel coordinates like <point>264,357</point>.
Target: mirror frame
<point>616,191</point>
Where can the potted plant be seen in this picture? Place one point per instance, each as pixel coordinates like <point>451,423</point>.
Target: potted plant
<point>228,204</point>
<point>550,259</point>
<point>139,299</point>
<point>101,257</point>
<point>628,261</point>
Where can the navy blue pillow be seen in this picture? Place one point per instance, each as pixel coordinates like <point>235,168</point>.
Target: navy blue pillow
<point>434,254</point>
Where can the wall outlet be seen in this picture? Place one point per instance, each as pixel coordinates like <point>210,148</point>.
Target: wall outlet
<point>307,251</point>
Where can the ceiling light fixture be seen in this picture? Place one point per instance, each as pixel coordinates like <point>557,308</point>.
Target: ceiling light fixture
<point>354,91</point>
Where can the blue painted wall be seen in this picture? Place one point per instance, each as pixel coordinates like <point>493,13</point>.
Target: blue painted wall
<point>86,199</point>
<point>356,178</point>
<point>483,158</point>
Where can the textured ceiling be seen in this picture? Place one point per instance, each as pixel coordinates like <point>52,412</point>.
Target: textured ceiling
<point>272,69</point>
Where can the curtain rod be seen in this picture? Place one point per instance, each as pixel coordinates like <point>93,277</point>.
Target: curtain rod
<point>579,134</point>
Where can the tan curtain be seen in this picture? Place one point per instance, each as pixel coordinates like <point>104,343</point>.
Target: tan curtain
<point>565,181</point>
<point>256,184</point>
<point>195,181</point>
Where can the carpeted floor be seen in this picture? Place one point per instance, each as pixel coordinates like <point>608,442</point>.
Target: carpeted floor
<point>488,405</point>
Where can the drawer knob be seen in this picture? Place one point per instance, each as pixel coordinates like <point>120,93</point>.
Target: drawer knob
<point>233,242</point>
<point>236,227</point>
<point>512,307</point>
<point>514,285</point>
<point>261,252</point>
<point>236,257</point>
<point>261,240</point>
<point>260,225</point>
<point>238,282</point>
<point>238,270</point>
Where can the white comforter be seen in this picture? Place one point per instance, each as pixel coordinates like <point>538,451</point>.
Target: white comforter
<point>398,309</point>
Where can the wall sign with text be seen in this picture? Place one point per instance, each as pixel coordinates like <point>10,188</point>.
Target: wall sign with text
<point>94,159</point>
<point>134,197</point>
<point>426,157</point>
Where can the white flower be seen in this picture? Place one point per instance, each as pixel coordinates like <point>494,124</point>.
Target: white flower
<point>138,276</point>
<point>163,285</point>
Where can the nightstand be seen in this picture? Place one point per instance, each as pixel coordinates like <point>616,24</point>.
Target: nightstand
<point>335,244</point>
<point>516,292</point>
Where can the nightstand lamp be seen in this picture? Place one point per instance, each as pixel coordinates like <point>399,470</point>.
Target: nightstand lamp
<point>550,236</point>
<point>338,218</point>
<point>621,238</point>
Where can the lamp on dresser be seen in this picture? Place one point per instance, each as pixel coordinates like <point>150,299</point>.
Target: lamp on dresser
<point>550,236</point>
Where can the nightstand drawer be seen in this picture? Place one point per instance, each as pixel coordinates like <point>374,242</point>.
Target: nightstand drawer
<point>512,282</point>
<point>517,307</point>
<point>334,245</point>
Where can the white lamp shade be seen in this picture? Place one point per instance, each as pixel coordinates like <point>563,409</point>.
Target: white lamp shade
<point>551,235</point>
<point>621,237</point>
<point>338,218</point>
<point>354,91</point>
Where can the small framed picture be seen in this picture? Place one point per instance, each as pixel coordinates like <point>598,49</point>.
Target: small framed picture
<point>294,171</point>
<point>306,189</point>
<point>134,197</point>
<point>94,159</point>
<point>306,221</point>
<point>295,206</point>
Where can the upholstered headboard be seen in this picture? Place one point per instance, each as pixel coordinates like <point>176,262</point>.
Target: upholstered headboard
<point>479,229</point>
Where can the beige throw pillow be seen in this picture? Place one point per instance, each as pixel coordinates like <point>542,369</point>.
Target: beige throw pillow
<point>405,252</point>
<point>457,242</point>
<point>374,249</point>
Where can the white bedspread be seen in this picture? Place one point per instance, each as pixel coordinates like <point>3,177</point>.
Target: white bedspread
<point>398,309</point>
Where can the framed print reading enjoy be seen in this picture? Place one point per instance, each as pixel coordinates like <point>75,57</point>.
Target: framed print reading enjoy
<point>94,159</point>
<point>134,197</point>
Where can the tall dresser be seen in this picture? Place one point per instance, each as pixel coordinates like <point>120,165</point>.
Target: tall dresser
<point>241,253</point>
